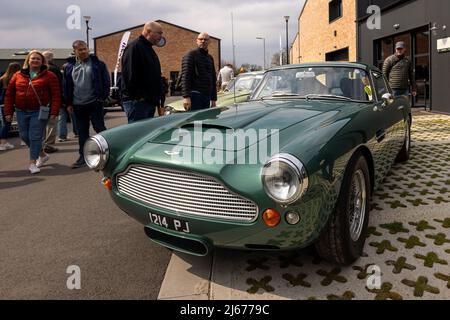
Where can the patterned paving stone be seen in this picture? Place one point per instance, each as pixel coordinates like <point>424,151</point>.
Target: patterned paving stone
<point>420,286</point>
<point>407,247</point>
<point>400,265</point>
<point>386,293</point>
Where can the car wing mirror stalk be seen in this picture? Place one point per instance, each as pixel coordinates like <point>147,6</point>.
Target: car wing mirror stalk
<point>387,99</point>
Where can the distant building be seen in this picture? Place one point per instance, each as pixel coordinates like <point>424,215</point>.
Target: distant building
<point>179,41</point>
<point>295,50</point>
<point>327,32</point>
<point>18,55</point>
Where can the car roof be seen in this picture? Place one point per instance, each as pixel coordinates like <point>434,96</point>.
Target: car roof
<point>358,65</point>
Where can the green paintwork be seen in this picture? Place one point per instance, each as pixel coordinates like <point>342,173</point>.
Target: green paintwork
<point>323,134</point>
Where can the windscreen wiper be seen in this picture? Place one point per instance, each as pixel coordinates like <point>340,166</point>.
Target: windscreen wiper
<point>281,95</point>
<point>326,96</point>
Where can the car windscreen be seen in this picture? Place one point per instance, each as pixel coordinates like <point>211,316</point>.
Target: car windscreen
<point>345,82</point>
<point>246,83</point>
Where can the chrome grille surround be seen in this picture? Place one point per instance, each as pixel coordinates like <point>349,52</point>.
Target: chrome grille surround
<point>185,193</point>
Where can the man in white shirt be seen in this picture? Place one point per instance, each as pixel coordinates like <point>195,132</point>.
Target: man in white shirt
<point>225,75</point>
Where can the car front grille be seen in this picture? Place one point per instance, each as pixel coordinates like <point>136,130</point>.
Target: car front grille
<point>185,193</point>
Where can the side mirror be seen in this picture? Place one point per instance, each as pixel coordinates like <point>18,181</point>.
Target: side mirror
<point>388,99</point>
<point>168,110</point>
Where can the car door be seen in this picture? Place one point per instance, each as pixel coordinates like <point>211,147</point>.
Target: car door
<point>392,118</point>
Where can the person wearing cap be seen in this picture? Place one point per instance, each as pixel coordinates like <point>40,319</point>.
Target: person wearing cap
<point>399,71</point>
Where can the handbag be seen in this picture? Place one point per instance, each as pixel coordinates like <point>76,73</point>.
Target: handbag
<point>44,111</point>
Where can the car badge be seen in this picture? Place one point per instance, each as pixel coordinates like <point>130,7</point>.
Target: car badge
<point>172,153</point>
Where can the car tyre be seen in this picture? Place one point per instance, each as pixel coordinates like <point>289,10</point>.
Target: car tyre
<point>342,241</point>
<point>404,153</point>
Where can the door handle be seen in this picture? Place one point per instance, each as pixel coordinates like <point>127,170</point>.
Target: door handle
<point>380,135</point>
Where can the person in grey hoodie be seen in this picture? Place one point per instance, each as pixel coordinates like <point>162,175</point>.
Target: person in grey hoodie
<point>86,87</point>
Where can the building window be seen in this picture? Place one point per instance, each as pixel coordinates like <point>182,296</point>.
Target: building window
<point>339,55</point>
<point>335,9</point>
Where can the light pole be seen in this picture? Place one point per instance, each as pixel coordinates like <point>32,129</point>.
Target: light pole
<point>287,39</point>
<point>87,19</point>
<point>264,45</point>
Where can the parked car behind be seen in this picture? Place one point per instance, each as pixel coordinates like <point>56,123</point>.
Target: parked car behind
<point>238,89</point>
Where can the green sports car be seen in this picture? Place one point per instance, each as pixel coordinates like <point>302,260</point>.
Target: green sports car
<point>238,90</point>
<point>294,166</point>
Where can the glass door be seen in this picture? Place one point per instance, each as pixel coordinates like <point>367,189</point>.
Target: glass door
<point>417,45</point>
<point>422,66</point>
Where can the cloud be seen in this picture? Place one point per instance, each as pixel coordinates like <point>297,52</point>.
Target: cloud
<point>26,25</point>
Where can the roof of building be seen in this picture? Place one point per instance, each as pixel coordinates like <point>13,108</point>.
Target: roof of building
<point>142,25</point>
<point>20,54</point>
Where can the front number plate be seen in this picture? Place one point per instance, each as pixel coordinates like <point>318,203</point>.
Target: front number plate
<point>169,223</point>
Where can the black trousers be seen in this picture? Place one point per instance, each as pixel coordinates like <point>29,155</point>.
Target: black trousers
<point>86,114</point>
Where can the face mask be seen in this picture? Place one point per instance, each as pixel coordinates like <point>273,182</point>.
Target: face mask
<point>161,42</point>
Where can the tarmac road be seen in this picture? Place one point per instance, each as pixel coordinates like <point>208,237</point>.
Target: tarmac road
<point>63,217</point>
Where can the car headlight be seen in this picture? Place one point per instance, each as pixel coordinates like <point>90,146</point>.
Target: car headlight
<point>96,152</point>
<point>285,179</point>
<point>169,110</point>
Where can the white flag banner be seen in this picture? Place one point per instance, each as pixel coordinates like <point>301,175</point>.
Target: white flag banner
<point>123,45</point>
<point>281,52</point>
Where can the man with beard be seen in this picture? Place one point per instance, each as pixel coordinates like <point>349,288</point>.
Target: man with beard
<point>399,71</point>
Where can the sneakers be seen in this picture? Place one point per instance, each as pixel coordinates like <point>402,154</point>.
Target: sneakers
<point>50,149</point>
<point>41,160</point>
<point>6,146</point>
<point>34,169</point>
<point>79,163</point>
<point>62,139</point>
<point>22,143</point>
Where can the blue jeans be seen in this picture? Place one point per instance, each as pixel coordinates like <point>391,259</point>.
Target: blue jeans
<point>138,110</point>
<point>199,101</point>
<point>401,92</point>
<point>31,131</point>
<point>85,114</point>
<point>5,126</point>
<point>62,123</point>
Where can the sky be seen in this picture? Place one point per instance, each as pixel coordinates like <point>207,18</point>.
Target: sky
<point>43,24</point>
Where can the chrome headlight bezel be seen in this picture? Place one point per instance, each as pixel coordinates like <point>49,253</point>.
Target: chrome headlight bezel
<point>102,149</point>
<point>296,168</point>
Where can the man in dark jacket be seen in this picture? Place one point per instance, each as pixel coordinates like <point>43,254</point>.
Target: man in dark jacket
<point>141,74</point>
<point>86,87</point>
<point>51,130</point>
<point>199,77</point>
<point>398,70</point>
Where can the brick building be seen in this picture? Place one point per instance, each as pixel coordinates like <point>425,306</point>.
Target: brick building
<point>327,32</point>
<point>294,51</point>
<point>179,41</point>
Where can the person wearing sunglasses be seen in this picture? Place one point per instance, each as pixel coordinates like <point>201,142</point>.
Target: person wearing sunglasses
<point>199,77</point>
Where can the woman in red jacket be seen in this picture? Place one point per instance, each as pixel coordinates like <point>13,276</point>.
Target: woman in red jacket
<point>27,91</point>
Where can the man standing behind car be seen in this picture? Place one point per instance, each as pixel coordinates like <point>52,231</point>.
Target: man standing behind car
<point>199,77</point>
<point>141,74</point>
<point>399,72</point>
<point>86,87</point>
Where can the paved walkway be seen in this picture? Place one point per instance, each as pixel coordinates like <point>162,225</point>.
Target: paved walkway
<point>409,243</point>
